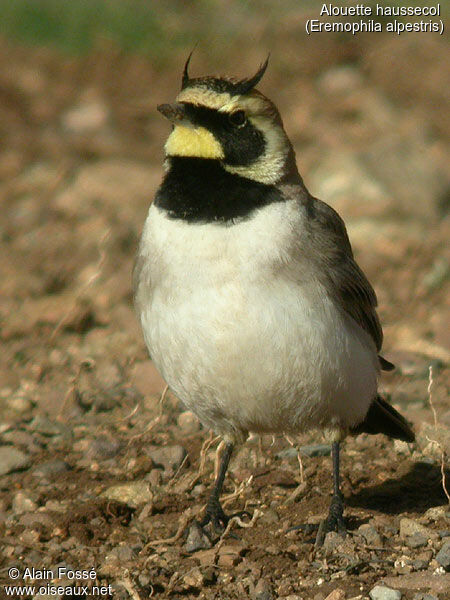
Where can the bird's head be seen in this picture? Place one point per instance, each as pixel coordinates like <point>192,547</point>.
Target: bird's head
<point>229,121</point>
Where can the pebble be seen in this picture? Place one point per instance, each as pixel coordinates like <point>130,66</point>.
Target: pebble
<point>228,559</point>
<point>122,553</point>
<point>169,457</point>
<point>435,513</point>
<point>263,591</point>
<point>332,541</point>
<point>103,447</point>
<point>381,592</point>
<point>421,596</point>
<point>188,422</point>
<point>194,578</point>
<point>419,564</point>
<point>409,527</point>
<point>315,450</point>
<point>44,425</point>
<point>308,450</point>
<point>270,516</point>
<point>197,539</point>
<point>19,403</point>
<point>12,459</point>
<point>371,535</point>
<point>337,594</point>
<point>417,540</point>
<point>17,437</point>
<point>22,503</point>
<point>132,494</point>
<point>31,519</point>
<point>51,467</point>
<point>443,556</point>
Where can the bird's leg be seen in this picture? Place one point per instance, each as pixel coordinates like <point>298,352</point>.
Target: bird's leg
<point>335,520</point>
<point>214,511</point>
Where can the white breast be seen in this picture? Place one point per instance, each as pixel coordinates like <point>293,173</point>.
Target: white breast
<point>243,332</point>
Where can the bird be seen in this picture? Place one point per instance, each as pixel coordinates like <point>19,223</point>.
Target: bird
<point>250,300</point>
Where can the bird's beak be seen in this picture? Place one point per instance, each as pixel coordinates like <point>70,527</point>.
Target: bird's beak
<point>174,112</point>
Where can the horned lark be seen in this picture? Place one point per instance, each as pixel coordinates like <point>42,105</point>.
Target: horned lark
<point>251,303</point>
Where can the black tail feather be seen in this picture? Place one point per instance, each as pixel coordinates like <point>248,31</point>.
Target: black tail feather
<point>383,418</point>
<point>385,364</point>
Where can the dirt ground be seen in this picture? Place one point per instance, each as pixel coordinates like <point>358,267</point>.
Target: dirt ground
<point>96,472</point>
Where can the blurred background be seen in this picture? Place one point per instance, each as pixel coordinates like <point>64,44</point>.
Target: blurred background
<point>81,151</point>
<point>82,147</point>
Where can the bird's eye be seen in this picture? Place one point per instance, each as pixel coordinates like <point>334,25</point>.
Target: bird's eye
<point>237,118</point>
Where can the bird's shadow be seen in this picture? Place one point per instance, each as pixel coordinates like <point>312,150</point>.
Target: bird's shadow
<point>416,491</point>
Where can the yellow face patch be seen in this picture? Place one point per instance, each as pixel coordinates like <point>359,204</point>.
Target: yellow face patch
<point>193,141</point>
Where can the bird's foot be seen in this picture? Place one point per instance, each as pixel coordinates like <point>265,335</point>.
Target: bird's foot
<point>217,519</point>
<point>215,516</point>
<point>334,522</point>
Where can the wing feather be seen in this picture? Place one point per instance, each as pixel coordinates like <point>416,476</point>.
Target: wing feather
<point>346,280</point>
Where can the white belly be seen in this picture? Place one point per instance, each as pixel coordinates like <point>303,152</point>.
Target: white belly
<point>241,341</point>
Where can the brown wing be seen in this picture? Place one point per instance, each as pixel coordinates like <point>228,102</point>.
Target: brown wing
<point>343,275</point>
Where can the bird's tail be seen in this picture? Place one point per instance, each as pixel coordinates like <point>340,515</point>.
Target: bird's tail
<point>383,418</point>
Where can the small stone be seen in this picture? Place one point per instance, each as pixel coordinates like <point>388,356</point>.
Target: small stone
<point>401,447</point>
<point>169,457</point>
<point>284,589</point>
<point>197,539</point>
<point>206,557</point>
<point>188,422</point>
<point>12,459</point>
<point>19,403</point>
<point>381,592</point>
<point>51,467</point>
<point>122,553</point>
<point>32,519</point>
<point>421,596</point>
<point>270,516</point>
<point>332,541</point>
<point>132,494</point>
<point>263,591</point>
<point>194,578</point>
<point>443,556</point>
<point>315,450</point>
<point>417,540</point>
<point>154,478</point>
<point>44,425</point>
<point>337,594</point>
<point>22,503</point>
<point>371,535</point>
<point>408,527</point>
<point>291,452</point>
<point>419,564</point>
<point>103,447</point>
<point>228,560</point>
<point>435,513</point>
<point>198,490</point>
<point>17,437</point>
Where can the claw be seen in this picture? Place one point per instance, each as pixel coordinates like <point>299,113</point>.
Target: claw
<point>334,522</point>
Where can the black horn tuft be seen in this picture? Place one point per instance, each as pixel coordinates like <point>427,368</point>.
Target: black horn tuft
<point>185,79</point>
<point>244,86</point>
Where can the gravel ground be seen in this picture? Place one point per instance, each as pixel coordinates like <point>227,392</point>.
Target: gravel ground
<point>99,468</point>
